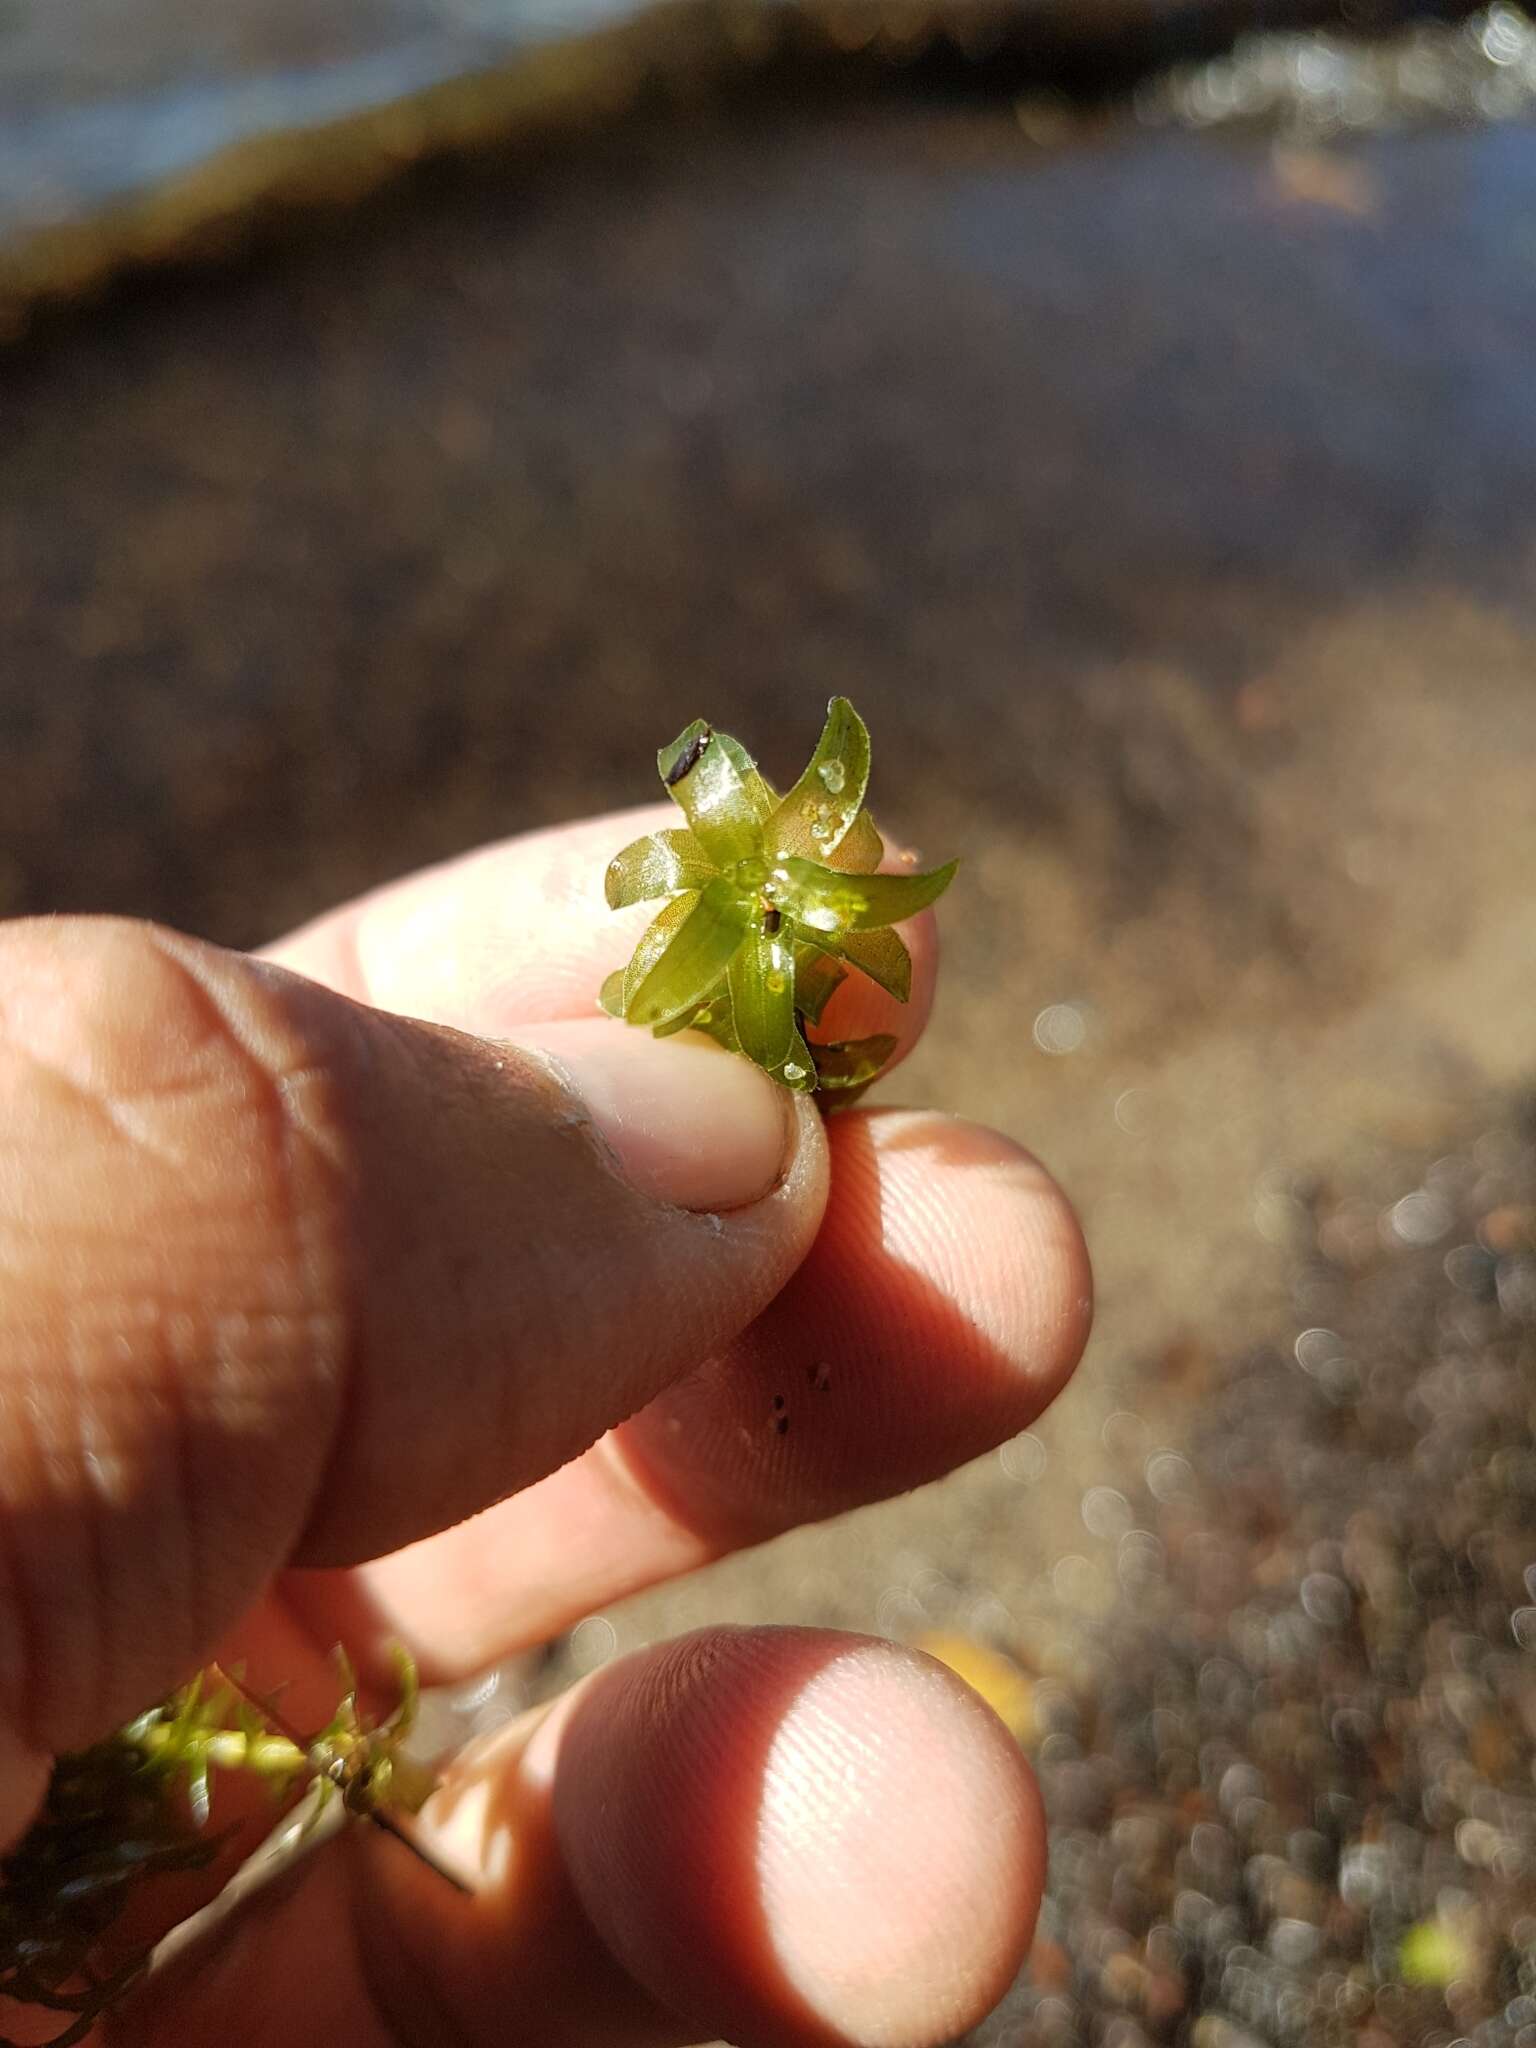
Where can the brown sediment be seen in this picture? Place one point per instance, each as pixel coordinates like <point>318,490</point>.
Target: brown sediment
<point>1288,1769</point>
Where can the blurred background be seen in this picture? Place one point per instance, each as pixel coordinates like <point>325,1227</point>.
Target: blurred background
<point>412,411</point>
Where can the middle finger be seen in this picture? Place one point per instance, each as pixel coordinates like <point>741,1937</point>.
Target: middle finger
<point>943,1305</point>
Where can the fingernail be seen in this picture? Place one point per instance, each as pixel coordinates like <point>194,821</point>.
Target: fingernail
<point>685,1123</point>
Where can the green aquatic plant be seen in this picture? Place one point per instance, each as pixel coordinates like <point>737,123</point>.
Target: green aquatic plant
<point>771,900</point>
<point>138,1804</point>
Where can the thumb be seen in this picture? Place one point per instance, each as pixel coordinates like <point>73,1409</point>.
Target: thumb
<point>287,1279</point>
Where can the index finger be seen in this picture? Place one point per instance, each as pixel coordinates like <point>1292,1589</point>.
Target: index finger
<point>519,933</point>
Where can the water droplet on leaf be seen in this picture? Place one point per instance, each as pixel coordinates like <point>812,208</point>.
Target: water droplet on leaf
<point>792,1071</point>
<point>834,775</point>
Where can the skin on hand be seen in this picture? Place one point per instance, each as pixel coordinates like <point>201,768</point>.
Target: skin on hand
<point>304,1261</point>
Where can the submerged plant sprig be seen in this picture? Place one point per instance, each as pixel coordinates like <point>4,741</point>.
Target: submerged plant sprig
<point>223,1725</point>
<point>138,1804</point>
<point>772,900</point>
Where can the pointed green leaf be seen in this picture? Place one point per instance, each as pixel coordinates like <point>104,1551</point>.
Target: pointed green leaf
<point>817,979</point>
<point>845,1070</point>
<point>654,941</point>
<point>611,994</point>
<point>798,1069</point>
<point>718,801</point>
<point>674,762</point>
<point>402,1717</point>
<point>717,1019</point>
<point>715,1002</point>
<point>697,955</point>
<point>765,798</point>
<point>762,982</point>
<point>346,1673</point>
<point>658,865</point>
<point>862,851</point>
<point>818,813</point>
<point>853,1062</point>
<point>828,904</point>
<point>888,899</point>
<point>881,955</point>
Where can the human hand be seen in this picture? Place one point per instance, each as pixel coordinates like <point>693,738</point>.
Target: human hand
<point>290,1286</point>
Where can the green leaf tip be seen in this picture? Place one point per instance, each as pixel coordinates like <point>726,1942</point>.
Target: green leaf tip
<point>767,902</point>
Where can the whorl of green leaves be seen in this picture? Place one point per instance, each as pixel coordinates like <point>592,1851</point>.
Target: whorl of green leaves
<point>772,899</point>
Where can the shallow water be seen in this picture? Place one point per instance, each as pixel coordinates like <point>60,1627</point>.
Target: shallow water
<point>1167,501</point>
